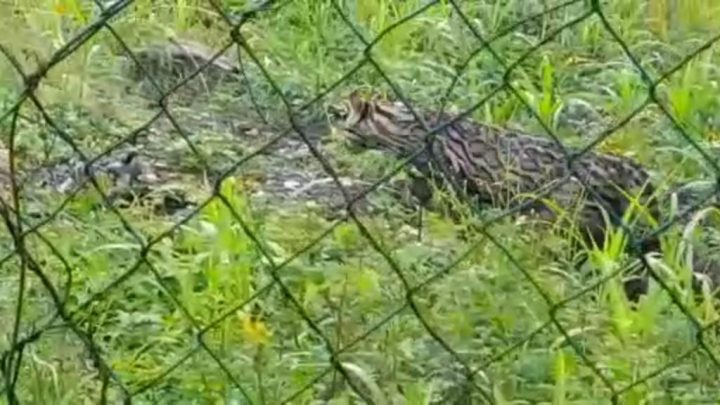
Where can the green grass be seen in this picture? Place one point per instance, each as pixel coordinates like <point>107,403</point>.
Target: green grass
<point>494,311</point>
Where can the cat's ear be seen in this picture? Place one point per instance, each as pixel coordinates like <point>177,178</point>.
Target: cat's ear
<point>357,103</point>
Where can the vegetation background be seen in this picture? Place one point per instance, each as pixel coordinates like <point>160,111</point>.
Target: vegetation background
<point>147,307</point>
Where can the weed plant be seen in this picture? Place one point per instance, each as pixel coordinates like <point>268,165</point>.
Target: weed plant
<point>212,313</point>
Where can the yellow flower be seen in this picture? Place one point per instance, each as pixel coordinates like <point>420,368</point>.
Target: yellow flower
<point>712,136</point>
<point>254,329</point>
<point>60,8</point>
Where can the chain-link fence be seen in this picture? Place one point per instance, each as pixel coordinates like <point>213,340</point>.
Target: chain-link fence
<point>78,314</point>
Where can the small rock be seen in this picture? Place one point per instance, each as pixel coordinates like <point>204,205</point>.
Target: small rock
<point>291,184</point>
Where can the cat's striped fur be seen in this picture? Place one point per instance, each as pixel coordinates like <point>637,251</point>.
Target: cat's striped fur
<point>505,168</point>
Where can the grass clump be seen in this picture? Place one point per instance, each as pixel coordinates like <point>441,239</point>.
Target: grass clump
<point>249,303</point>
